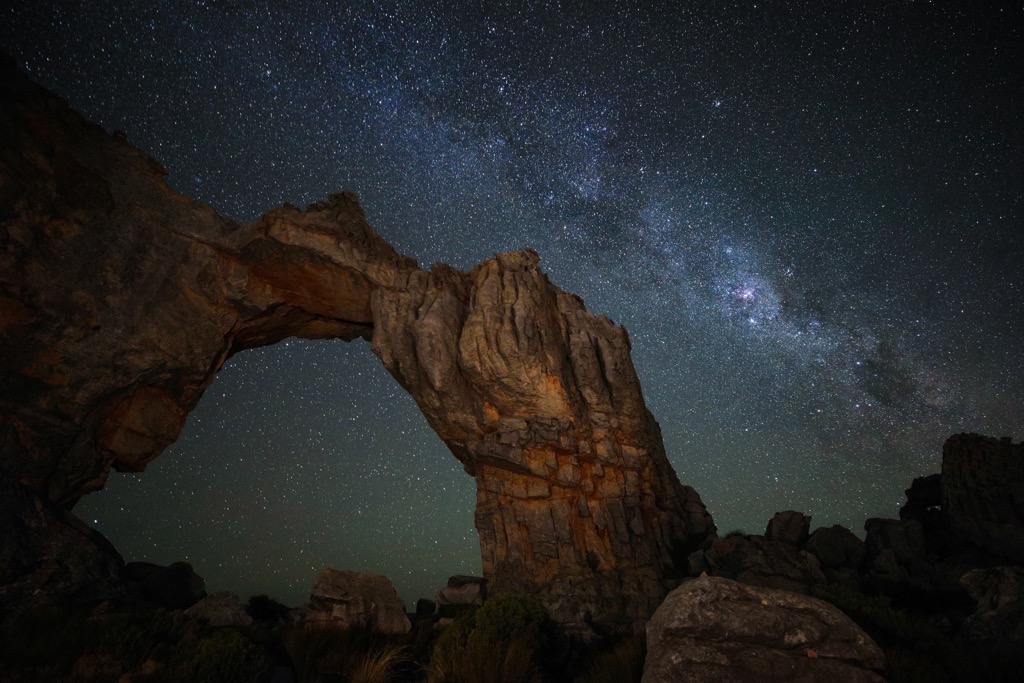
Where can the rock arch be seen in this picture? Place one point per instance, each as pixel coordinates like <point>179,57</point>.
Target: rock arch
<point>121,299</point>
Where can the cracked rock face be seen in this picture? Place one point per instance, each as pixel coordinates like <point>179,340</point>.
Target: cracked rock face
<point>120,299</point>
<point>714,629</point>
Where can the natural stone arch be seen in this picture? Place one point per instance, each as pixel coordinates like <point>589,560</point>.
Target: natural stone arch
<point>122,299</point>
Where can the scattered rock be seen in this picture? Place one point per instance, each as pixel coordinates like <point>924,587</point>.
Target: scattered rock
<point>175,586</point>
<point>790,527</point>
<point>715,629</point>
<point>221,609</point>
<point>346,599</point>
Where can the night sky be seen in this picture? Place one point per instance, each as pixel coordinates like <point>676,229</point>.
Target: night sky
<point>808,215</point>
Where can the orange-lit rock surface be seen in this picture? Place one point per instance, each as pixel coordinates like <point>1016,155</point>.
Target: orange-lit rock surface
<point>120,299</point>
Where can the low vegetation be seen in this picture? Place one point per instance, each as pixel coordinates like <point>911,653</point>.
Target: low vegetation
<point>915,649</point>
<point>152,646</point>
<point>510,639</point>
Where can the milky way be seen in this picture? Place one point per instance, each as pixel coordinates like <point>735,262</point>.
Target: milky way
<point>810,221</point>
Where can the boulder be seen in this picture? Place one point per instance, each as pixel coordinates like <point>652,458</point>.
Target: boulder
<point>48,555</point>
<point>175,586</point>
<point>463,590</point>
<point>221,609</point>
<point>347,599</point>
<point>999,618</point>
<point>983,492</point>
<point>757,561</point>
<point>715,629</point>
<point>895,548</point>
<point>425,608</point>
<point>836,547</point>
<point>788,526</point>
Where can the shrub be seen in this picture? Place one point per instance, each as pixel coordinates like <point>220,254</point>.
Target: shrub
<point>623,663</point>
<point>221,656</point>
<point>52,644</point>
<point>333,654</point>
<point>915,650</point>
<point>496,643</point>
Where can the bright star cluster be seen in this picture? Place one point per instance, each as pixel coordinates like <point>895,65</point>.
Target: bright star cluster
<point>809,217</point>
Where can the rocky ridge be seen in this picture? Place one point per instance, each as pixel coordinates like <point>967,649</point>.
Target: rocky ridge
<point>950,564</point>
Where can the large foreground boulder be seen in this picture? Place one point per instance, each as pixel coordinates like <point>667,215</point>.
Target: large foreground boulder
<point>715,629</point>
<point>356,599</point>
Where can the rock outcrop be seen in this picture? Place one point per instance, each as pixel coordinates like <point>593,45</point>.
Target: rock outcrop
<point>715,629</point>
<point>223,608</point>
<point>355,599</point>
<point>120,299</point>
<point>463,590</point>
<point>940,583</point>
<point>997,626</point>
<point>982,496</point>
<point>46,551</point>
<point>176,586</point>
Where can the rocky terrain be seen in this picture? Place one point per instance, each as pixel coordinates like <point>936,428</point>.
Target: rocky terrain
<point>120,299</point>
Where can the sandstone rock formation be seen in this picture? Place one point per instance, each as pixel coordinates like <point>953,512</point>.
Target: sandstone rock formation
<point>997,626</point>
<point>347,599</point>
<point>44,548</point>
<point>982,496</point>
<point>120,299</point>
<point>837,548</point>
<point>463,590</point>
<point>789,526</point>
<point>223,608</point>
<point>757,561</point>
<point>715,629</point>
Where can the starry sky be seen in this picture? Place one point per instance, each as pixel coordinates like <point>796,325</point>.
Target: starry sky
<point>810,216</point>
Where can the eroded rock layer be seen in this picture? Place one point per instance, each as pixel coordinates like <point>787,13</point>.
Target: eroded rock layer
<point>120,299</point>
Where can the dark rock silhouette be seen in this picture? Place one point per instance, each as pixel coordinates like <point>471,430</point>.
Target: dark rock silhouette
<point>983,492</point>
<point>997,626</point>
<point>223,608</point>
<point>949,562</point>
<point>176,586</point>
<point>121,299</point>
<point>45,550</point>
<point>837,548</point>
<point>716,629</point>
<point>347,599</point>
<point>789,526</point>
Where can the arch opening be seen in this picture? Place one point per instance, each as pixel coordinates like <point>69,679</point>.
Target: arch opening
<point>300,455</point>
